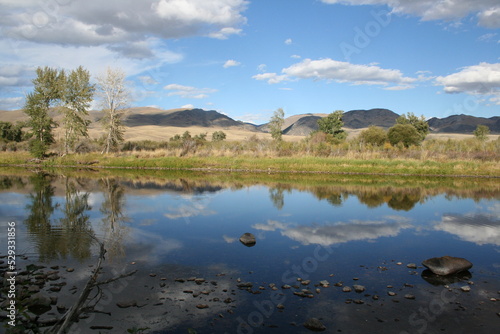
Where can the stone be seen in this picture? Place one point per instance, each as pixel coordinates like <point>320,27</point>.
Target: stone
<point>324,283</point>
<point>447,265</point>
<point>248,239</point>
<point>411,266</point>
<point>409,296</point>
<point>39,303</point>
<point>202,306</point>
<point>358,288</point>
<point>346,289</point>
<point>465,288</point>
<point>314,325</point>
<point>126,304</point>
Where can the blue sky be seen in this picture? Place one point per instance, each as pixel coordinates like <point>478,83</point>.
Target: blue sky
<point>248,58</point>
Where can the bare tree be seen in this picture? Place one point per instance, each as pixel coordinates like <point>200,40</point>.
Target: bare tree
<point>114,98</point>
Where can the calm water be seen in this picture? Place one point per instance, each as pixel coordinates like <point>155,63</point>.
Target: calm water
<point>175,228</point>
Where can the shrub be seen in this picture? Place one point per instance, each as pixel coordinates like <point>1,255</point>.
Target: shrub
<point>218,136</point>
<point>374,135</point>
<point>404,134</point>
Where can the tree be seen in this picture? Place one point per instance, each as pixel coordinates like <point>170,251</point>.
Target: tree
<point>405,134</point>
<point>77,96</point>
<point>276,123</point>
<point>482,132</point>
<point>419,123</point>
<point>374,135</point>
<point>114,98</point>
<point>332,124</point>
<point>218,136</point>
<point>47,91</point>
<point>11,132</point>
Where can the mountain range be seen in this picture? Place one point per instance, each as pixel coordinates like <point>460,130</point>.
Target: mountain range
<point>297,125</point>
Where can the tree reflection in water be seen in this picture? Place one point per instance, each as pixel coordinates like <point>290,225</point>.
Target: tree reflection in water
<point>69,235</point>
<point>113,217</point>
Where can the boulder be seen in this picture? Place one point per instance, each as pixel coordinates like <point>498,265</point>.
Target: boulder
<point>447,265</point>
<point>248,239</point>
<point>314,325</point>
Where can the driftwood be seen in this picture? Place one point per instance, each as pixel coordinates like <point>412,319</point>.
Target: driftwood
<point>81,305</point>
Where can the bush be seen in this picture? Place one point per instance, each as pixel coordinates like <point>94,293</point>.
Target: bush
<point>374,135</point>
<point>218,136</point>
<point>404,134</point>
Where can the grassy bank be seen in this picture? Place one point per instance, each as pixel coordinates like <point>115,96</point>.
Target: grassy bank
<point>294,164</point>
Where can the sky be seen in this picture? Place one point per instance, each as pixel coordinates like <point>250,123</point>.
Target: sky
<point>248,58</point>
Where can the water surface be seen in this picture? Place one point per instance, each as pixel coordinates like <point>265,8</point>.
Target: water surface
<point>174,228</point>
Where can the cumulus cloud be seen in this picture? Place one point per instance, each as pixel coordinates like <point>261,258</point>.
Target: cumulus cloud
<point>483,79</point>
<point>188,92</point>
<point>488,11</point>
<point>288,41</point>
<point>339,71</point>
<point>95,22</point>
<point>231,63</point>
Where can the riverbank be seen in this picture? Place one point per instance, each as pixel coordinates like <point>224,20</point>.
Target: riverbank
<point>243,163</point>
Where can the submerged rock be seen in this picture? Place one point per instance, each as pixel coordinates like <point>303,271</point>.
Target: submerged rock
<point>248,239</point>
<point>315,325</point>
<point>447,265</point>
<point>436,280</point>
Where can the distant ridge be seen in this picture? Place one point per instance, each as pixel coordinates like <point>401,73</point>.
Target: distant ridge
<point>359,119</point>
<point>182,118</point>
<point>463,124</point>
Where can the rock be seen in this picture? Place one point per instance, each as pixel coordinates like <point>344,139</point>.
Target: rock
<point>391,293</point>
<point>248,239</point>
<point>346,289</point>
<point>436,280</point>
<point>202,306</point>
<point>315,325</point>
<point>280,306</point>
<point>126,304</point>
<point>324,283</point>
<point>245,285</point>
<point>305,282</point>
<point>447,265</point>
<point>39,303</point>
<point>465,288</point>
<point>358,288</point>
<point>411,266</point>
<point>409,296</point>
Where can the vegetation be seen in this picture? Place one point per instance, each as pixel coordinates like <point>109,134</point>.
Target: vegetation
<point>482,132</point>
<point>77,95</point>
<point>374,135</point>
<point>332,125</point>
<point>218,136</point>
<point>276,123</point>
<point>114,98</point>
<point>47,91</point>
<point>419,123</point>
<point>404,134</point>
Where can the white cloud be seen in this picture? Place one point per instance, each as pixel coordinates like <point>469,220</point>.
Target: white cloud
<point>231,63</point>
<point>288,41</point>
<point>188,106</point>
<point>479,229</point>
<point>271,78</point>
<point>188,92</point>
<point>9,103</point>
<point>343,72</point>
<point>262,68</point>
<point>483,79</point>
<point>488,11</point>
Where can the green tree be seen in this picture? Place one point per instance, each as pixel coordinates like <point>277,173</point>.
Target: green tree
<point>11,132</point>
<point>77,96</point>
<point>405,134</point>
<point>276,124</point>
<point>419,123</point>
<point>114,98</point>
<point>482,132</point>
<point>374,135</point>
<point>47,92</point>
<point>332,124</point>
<point>218,136</point>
